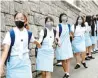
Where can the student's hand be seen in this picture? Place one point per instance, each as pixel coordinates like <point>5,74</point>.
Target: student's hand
<point>1,70</point>
<point>37,43</point>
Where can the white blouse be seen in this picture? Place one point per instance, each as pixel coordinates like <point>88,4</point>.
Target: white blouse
<point>49,39</point>
<point>79,31</point>
<point>20,47</point>
<point>88,28</point>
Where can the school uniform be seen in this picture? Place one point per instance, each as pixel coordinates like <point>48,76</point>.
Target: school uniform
<point>45,56</point>
<point>78,42</point>
<point>65,50</point>
<point>19,65</point>
<point>88,41</point>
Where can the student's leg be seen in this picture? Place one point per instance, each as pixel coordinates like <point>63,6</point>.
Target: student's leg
<point>43,74</point>
<point>68,66</point>
<point>77,56</point>
<point>90,54</point>
<point>83,54</point>
<point>89,50</point>
<point>87,53</point>
<point>48,74</point>
<point>64,65</point>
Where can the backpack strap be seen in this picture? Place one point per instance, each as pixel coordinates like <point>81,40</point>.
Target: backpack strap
<point>60,29</point>
<point>12,36</point>
<point>54,31</point>
<point>45,34</point>
<point>29,37</point>
<point>69,28</point>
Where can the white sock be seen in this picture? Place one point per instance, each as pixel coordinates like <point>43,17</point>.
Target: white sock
<point>78,63</point>
<point>67,73</point>
<point>83,61</point>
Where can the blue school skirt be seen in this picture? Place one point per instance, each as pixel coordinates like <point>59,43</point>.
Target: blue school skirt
<point>78,44</point>
<point>88,41</point>
<point>45,58</point>
<point>93,39</point>
<point>19,68</point>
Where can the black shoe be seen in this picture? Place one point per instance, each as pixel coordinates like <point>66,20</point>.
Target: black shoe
<point>65,76</point>
<point>87,58</point>
<point>77,66</point>
<point>84,64</point>
<point>91,57</point>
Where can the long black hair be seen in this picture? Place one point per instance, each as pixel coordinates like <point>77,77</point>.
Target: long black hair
<point>93,22</point>
<point>88,20</point>
<point>60,17</point>
<point>82,24</point>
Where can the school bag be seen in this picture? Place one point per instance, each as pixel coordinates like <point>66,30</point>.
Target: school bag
<point>45,34</point>
<point>12,36</point>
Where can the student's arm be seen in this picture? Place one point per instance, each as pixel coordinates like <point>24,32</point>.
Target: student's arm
<point>57,36</point>
<point>72,31</point>
<point>33,40</point>
<point>6,46</point>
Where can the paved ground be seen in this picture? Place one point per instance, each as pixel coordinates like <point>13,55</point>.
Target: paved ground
<point>90,72</point>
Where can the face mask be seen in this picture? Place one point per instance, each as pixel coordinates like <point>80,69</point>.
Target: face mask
<point>49,26</point>
<point>19,24</point>
<point>79,21</point>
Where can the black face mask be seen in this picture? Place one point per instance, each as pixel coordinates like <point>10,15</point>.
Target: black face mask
<point>19,24</point>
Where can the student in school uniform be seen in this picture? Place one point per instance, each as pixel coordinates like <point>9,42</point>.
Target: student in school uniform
<point>16,51</point>
<point>93,33</point>
<point>64,50</point>
<point>45,55</point>
<point>78,42</point>
<point>88,41</point>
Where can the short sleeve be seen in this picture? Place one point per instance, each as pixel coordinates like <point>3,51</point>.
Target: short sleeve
<point>7,39</point>
<point>41,36</point>
<point>72,28</point>
<point>32,38</point>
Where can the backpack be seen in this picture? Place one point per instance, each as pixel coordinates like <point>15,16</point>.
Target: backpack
<point>45,34</point>
<point>60,30</point>
<point>12,36</point>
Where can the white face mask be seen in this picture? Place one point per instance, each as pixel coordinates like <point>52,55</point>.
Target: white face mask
<point>49,25</point>
<point>79,21</point>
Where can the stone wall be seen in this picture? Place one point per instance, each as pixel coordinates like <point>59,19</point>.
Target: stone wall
<point>36,12</point>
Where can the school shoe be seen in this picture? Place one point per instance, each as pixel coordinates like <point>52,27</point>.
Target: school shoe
<point>87,58</point>
<point>84,64</point>
<point>77,66</point>
<point>66,76</point>
<point>91,57</point>
<point>59,64</point>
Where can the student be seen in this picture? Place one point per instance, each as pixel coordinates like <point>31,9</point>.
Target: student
<point>64,50</point>
<point>78,42</point>
<point>16,50</point>
<point>93,34</point>
<point>88,42</point>
<point>45,55</point>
